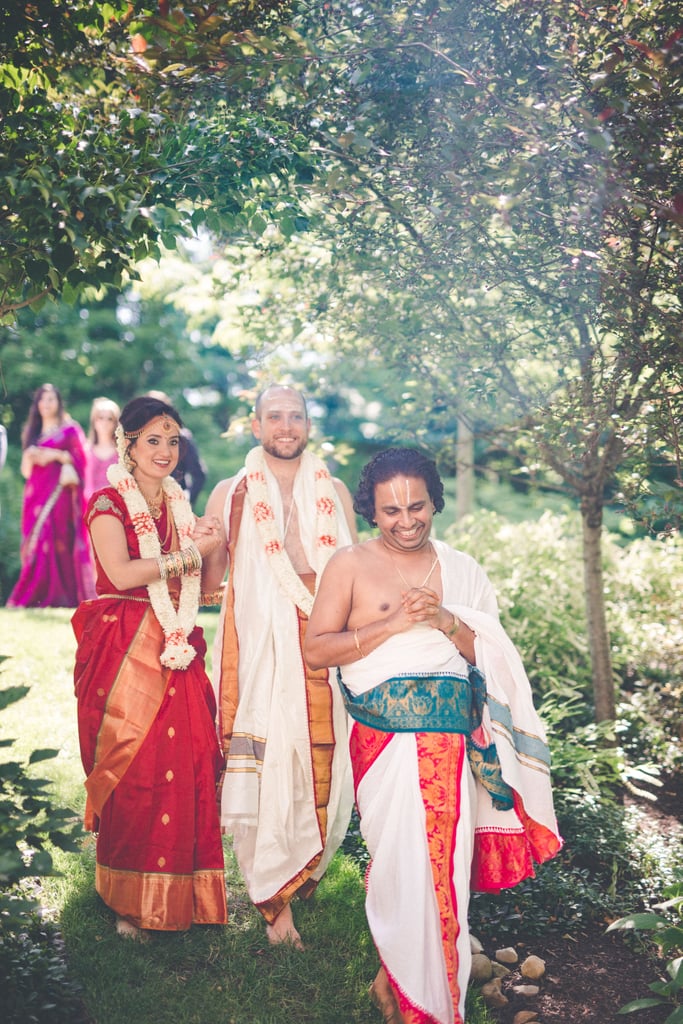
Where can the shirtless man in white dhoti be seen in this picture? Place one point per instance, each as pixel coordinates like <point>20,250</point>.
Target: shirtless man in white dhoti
<point>287,789</point>
<point>450,763</point>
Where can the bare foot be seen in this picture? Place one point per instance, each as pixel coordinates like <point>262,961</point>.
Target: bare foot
<point>128,930</point>
<point>382,995</point>
<point>282,929</point>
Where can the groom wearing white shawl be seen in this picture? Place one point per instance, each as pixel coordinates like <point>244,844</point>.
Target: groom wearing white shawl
<point>287,789</point>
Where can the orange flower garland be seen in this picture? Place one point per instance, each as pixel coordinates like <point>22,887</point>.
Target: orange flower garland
<point>177,625</point>
<point>273,544</point>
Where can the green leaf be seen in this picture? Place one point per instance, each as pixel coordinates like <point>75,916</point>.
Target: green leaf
<point>675,969</point>
<point>257,224</point>
<point>41,863</point>
<point>69,293</point>
<point>37,270</point>
<point>286,226</point>
<point>63,256</point>
<point>645,921</point>
<point>662,988</point>
<point>640,1004</point>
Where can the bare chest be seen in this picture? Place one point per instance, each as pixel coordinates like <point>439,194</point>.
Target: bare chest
<point>292,541</point>
<point>379,588</point>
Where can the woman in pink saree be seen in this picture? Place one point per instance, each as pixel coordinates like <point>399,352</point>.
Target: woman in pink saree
<point>56,567</point>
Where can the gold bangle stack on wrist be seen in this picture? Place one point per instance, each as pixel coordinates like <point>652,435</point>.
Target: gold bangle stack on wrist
<point>177,563</point>
<point>358,647</point>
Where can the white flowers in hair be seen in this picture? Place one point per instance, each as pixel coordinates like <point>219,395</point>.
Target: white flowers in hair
<point>177,625</point>
<point>121,443</point>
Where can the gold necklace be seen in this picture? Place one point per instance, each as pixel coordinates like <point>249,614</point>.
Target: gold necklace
<point>166,542</point>
<point>153,504</point>
<point>289,519</point>
<point>410,585</point>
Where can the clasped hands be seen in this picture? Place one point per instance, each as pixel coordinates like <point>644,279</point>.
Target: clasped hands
<point>421,604</point>
<point>206,534</point>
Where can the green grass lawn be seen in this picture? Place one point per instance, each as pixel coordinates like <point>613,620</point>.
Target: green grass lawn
<point>208,975</point>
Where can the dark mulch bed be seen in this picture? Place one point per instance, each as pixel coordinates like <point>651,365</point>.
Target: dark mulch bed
<point>590,975</point>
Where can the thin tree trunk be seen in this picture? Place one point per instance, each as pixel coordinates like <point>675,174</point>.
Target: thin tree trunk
<point>464,470</point>
<point>598,636</point>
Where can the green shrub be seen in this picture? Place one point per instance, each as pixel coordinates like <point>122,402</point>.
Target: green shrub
<point>29,826</point>
<point>36,986</point>
<point>667,932</point>
<point>535,568</point>
<point>11,497</point>
<point>583,758</point>
<point>33,974</point>
<point>608,862</point>
<point>644,610</point>
<point>354,844</point>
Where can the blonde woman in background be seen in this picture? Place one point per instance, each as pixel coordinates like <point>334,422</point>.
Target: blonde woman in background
<point>101,450</point>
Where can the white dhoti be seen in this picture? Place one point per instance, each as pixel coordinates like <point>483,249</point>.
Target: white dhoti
<point>433,832</point>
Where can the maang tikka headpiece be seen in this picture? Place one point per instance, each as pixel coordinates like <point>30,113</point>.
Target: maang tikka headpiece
<point>124,438</point>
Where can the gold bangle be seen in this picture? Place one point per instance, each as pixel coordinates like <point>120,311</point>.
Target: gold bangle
<point>173,563</point>
<point>358,647</point>
<point>454,628</point>
<point>192,557</point>
<point>178,563</point>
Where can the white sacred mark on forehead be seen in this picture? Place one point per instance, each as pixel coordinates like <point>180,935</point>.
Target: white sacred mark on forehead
<point>397,500</point>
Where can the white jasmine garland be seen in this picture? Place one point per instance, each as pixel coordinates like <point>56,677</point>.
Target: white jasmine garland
<point>273,543</point>
<point>177,625</point>
<point>121,444</point>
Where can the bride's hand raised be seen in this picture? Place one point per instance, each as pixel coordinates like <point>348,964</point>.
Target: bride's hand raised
<point>206,534</point>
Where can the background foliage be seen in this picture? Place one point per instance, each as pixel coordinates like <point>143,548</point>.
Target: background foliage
<point>484,198</point>
<point>441,219</point>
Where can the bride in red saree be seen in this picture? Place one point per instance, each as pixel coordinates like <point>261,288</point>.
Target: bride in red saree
<point>146,708</point>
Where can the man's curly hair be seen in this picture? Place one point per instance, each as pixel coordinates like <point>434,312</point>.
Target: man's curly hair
<point>388,464</point>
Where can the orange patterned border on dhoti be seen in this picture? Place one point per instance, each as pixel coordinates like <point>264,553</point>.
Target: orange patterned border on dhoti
<point>440,763</point>
<point>502,860</point>
<point>440,759</point>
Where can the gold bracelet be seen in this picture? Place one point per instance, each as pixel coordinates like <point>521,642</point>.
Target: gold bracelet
<point>178,563</point>
<point>358,647</point>
<point>454,628</point>
<point>193,558</point>
<point>173,563</point>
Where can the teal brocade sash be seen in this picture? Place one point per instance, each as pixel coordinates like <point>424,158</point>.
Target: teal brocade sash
<point>426,702</point>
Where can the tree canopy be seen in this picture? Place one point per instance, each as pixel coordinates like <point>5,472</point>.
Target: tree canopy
<point>108,147</point>
<point>492,194</point>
